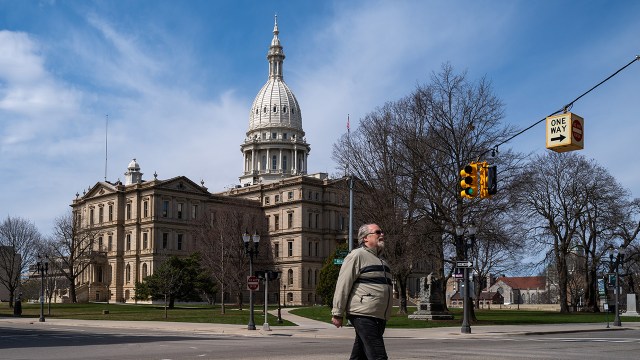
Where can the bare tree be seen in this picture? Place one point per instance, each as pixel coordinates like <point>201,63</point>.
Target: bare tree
<point>604,209</point>
<point>19,244</point>
<point>71,249</point>
<point>409,153</point>
<point>219,241</point>
<point>627,228</point>
<point>568,204</point>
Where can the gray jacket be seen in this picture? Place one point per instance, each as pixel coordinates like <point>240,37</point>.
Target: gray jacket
<point>364,286</point>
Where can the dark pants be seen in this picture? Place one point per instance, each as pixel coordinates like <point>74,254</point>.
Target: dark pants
<point>369,344</point>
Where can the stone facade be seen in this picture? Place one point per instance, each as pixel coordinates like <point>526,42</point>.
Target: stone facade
<point>138,223</point>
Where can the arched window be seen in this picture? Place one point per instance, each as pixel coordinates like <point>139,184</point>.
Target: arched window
<point>309,283</point>
<point>128,273</point>
<point>144,271</point>
<point>290,277</point>
<point>264,162</point>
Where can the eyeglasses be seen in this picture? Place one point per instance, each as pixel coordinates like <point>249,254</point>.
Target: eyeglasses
<point>378,232</point>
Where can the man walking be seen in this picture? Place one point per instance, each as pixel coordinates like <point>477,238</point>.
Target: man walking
<point>363,294</point>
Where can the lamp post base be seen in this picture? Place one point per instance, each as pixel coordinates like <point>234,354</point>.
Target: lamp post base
<point>251,327</point>
<point>465,329</point>
<point>265,327</point>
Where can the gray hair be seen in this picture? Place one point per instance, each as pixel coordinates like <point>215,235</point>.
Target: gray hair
<point>363,232</point>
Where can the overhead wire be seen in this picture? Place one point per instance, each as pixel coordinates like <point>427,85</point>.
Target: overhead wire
<point>564,108</point>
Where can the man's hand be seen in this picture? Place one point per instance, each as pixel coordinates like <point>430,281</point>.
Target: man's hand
<point>337,321</point>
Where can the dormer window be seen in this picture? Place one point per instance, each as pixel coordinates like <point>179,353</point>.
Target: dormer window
<point>284,109</point>
<point>275,108</point>
<point>265,109</point>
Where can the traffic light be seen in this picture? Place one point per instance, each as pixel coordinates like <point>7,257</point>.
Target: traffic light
<point>469,181</point>
<point>492,179</point>
<point>488,180</point>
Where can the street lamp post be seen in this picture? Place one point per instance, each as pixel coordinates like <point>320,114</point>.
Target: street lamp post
<point>279,300</point>
<point>619,260</point>
<point>42,267</point>
<point>267,276</point>
<point>270,275</point>
<point>251,248</point>
<point>284,295</point>
<point>466,328</point>
<point>465,246</point>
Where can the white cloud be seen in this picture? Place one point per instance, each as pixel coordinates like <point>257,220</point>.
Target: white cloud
<point>33,104</point>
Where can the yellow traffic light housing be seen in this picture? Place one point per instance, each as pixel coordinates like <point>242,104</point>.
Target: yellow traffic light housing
<point>488,175</point>
<point>469,181</point>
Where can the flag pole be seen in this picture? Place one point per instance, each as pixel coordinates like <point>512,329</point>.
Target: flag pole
<point>350,174</point>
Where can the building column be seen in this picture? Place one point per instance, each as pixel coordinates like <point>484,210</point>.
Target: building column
<point>253,160</point>
<point>268,167</point>
<point>294,166</point>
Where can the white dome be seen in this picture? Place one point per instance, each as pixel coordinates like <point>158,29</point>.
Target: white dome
<point>275,146</point>
<point>275,106</point>
<point>133,166</point>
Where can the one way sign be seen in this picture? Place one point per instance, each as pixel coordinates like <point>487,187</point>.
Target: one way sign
<point>464,264</point>
<point>565,132</point>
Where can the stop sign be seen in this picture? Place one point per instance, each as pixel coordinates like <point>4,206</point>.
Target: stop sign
<point>253,283</point>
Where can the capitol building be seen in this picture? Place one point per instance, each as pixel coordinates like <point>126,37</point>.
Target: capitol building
<point>301,216</point>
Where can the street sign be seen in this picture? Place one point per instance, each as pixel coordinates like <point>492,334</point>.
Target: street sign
<point>601,289</point>
<point>458,273</point>
<point>337,261</point>
<point>253,283</point>
<point>342,253</point>
<point>464,264</point>
<point>611,280</point>
<point>565,132</point>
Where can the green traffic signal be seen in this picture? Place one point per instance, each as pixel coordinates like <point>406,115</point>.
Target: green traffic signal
<point>469,182</point>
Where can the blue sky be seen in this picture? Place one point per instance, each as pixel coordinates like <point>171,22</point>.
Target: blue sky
<point>177,79</point>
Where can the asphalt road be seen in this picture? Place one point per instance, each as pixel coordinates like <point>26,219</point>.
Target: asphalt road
<point>26,341</point>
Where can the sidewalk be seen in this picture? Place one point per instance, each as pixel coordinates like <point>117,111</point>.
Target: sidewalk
<point>317,329</point>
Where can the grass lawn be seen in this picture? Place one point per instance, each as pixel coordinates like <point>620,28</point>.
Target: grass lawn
<point>212,314</point>
<point>191,313</point>
<point>485,317</point>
